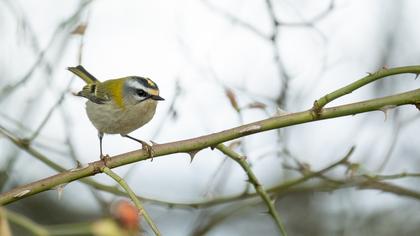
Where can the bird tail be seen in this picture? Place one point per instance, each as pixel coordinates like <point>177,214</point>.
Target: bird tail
<point>83,74</point>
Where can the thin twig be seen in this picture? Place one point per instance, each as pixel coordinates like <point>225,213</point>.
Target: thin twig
<point>133,197</point>
<point>257,185</point>
<point>48,115</point>
<point>234,19</point>
<point>62,27</point>
<point>25,223</point>
<point>393,176</point>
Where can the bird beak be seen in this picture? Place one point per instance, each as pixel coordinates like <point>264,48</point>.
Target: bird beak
<point>157,98</point>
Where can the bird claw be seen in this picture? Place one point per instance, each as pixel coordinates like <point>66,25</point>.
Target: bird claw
<point>104,158</point>
<point>145,146</point>
<point>148,148</point>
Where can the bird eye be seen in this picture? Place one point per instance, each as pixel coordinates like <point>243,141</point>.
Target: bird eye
<point>141,93</point>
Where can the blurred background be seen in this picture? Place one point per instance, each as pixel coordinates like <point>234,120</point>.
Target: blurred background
<point>218,64</point>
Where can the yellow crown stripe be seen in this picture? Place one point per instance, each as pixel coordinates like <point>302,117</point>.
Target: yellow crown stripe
<point>150,82</point>
<point>153,92</point>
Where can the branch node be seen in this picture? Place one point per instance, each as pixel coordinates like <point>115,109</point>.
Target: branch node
<point>316,110</point>
<point>25,142</point>
<point>250,129</point>
<point>105,158</point>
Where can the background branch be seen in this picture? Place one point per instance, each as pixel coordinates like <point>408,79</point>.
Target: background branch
<point>241,160</point>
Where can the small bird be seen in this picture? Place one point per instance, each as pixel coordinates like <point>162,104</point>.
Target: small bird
<point>118,106</point>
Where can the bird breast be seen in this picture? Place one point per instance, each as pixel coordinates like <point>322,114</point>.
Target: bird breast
<point>112,119</point>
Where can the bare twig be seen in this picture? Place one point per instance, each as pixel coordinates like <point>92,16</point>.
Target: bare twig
<point>133,197</point>
<point>62,27</point>
<point>257,185</point>
<point>25,223</point>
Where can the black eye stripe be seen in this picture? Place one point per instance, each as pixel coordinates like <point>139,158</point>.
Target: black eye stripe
<point>141,93</point>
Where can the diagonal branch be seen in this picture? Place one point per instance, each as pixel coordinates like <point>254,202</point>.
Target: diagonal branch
<point>257,185</point>
<point>133,197</point>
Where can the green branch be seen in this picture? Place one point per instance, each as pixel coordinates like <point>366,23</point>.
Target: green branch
<point>320,103</point>
<point>212,140</point>
<point>25,223</point>
<point>257,185</point>
<point>133,197</point>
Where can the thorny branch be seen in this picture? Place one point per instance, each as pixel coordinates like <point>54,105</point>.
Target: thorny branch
<point>212,140</point>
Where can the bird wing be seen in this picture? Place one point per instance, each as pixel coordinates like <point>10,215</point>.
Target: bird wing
<point>95,93</point>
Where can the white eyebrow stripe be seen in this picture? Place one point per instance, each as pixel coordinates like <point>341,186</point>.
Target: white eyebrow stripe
<point>136,85</point>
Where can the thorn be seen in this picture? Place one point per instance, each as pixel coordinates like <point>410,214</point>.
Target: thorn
<point>369,73</point>
<point>304,168</point>
<point>250,129</point>
<point>80,29</point>
<point>385,109</point>
<point>60,190</point>
<point>280,112</point>
<point>153,143</point>
<point>79,166</point>
<point>273,201</point>
<point>352,169</point>
<point>417,75</point>
<point>265,213</point>
<point>21,194</point>
<point>273,38</point>
<point>192,154</point>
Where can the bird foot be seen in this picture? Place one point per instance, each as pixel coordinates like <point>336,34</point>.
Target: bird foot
<point>148,148</point>
<point>145,146</point>
<point>104,158</point>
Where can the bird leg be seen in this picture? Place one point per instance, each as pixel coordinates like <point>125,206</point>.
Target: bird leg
<point>145,146</point>
<point>102,156</point>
